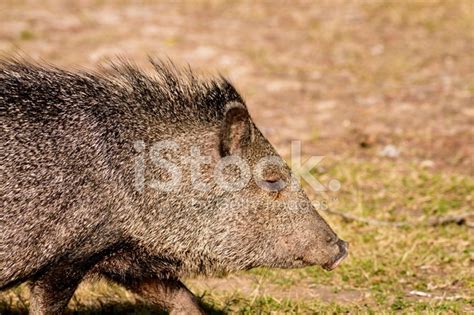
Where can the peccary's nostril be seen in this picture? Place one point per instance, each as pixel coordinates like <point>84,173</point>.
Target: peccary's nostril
<point>343,246</point>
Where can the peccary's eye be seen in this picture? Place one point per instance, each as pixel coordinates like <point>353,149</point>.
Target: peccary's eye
<point>272,184</point>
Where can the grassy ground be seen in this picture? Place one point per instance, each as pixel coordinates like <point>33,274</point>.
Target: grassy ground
<point>348,79</point>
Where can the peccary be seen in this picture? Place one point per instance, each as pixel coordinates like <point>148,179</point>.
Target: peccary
<point>113,174</point>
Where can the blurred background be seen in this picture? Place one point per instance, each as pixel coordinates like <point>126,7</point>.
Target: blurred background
<point>384,90</point>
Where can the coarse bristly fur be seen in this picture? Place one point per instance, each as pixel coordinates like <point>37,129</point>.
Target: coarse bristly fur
<point>72,144</point>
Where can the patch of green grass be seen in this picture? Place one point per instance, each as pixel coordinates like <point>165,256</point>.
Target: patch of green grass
<point>390,191</point>
<point>268,304</point>
<point>27,35</point>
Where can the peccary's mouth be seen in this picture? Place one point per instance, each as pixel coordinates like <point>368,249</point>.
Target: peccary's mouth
<point>343,252</point>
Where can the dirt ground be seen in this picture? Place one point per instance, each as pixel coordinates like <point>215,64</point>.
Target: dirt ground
<point>383,89</point>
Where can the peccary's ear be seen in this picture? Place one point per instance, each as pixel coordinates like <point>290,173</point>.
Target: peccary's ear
<point>235,130</point>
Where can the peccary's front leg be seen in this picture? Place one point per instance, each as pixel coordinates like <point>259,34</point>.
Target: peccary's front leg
<point>171,295</point>
<point>51,292</point>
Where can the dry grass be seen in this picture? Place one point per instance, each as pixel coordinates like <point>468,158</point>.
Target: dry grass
<point>347,78</point>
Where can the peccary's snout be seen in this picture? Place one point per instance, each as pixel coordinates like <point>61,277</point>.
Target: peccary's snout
<point>317,245</point>
<point>324,248</point>
<point>343,249</point>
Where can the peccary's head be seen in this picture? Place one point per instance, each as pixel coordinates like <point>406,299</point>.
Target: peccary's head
<point>237,204</point>
<point>264,218</point>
